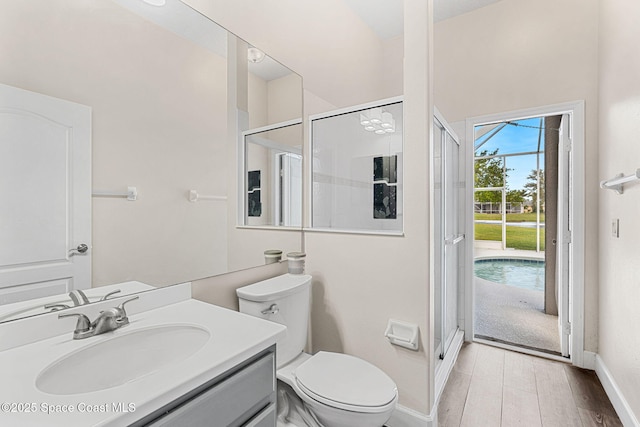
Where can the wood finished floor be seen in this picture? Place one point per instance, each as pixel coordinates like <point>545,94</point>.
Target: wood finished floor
<point>489,386</point>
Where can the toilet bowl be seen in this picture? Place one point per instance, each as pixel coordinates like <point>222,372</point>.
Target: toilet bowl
<point>336,390</point>
<point>341,390</point>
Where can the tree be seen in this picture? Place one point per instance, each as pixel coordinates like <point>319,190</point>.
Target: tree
<point>488,173</point>
<point>531,189</point>
<point>516,196</point>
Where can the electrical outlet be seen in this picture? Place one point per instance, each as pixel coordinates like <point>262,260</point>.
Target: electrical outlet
<point>615,228</point>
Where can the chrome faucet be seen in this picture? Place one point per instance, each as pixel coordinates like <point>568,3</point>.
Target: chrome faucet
<point>78,297</point>
<point>108,320</point>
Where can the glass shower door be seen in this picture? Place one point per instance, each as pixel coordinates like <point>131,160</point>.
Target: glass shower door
<point>447,235</point>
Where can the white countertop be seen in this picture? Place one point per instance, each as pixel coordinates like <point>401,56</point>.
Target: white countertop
<point>234,337</point>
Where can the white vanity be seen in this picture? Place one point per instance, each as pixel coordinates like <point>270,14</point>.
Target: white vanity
<point>179,362</point>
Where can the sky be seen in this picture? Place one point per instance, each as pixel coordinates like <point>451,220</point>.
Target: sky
<point>521,136</point>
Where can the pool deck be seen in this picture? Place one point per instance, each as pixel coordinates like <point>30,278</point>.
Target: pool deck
<point>513,315</point>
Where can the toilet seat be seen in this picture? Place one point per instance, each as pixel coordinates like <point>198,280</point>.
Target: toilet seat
<point>345,382</point>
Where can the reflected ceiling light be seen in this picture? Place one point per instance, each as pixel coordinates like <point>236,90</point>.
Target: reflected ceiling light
<point>255,55</point>
<point>375,114</point>
<point>387,120</point>
<point>375,120</point>
<point>155,2</point>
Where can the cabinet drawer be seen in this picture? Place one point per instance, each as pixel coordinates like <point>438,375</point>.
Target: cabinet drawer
<point>231,402</point>
<point>266,418</point>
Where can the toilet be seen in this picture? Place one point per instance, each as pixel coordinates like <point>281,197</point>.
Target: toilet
<point>336,390</point>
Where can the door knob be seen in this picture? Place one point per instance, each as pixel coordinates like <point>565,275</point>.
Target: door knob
<point>82,248</point>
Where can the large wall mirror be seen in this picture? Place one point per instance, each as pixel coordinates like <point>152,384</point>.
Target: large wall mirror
<point>153,90</point>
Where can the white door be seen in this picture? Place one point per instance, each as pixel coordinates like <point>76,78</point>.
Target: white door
<point>45,188</point>
<point>563,239</point>
<point>289,190</point>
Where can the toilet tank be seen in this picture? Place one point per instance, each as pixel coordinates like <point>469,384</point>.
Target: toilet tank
<point>283,299</point>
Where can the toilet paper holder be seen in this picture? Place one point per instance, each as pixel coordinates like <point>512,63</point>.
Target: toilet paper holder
<point>403,334</point>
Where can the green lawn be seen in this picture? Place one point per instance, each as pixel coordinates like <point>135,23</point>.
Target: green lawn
<point>517,237</point>
<point>511,217</point>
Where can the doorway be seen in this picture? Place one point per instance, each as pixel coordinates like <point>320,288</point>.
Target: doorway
<point>525,252</point>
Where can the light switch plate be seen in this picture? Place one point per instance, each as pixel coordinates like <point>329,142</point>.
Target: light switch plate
<point>615,228</point>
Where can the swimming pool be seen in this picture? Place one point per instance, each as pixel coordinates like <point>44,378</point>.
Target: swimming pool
<point>522,273</point>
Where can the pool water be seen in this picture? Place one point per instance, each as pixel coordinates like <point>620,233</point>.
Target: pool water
<point>522,273</point>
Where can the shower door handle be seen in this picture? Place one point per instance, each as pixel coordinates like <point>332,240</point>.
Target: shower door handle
<point>454,240</point>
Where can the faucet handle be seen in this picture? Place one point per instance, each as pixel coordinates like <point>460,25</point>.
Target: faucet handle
<point>55,307</point>
<point>83,325</point>
<point>122,313</point>
<point>109,294</point>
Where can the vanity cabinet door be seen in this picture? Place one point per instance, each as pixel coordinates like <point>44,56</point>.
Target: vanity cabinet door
<point>242,399</point>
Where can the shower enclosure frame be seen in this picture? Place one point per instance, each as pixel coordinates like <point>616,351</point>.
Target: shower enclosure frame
<point>448,175</point>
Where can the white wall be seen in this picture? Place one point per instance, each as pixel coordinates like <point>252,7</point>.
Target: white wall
<point>517,54</point>
<point>619,291</point>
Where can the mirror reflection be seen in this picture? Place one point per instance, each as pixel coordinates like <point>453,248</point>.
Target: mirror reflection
<point>135,96</point>
<point>273,177</point>
<point>357,169</point>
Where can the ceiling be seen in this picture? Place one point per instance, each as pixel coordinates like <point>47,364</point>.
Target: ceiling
<point>385,17</point>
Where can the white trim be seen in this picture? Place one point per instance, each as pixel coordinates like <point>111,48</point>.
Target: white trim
<point>268,227</point>
<point>522,350</point>
<point>443,122</point>
<point>576,110</point>
<point>355,108</point>
<point>446,366</point>
<point>620,404</point>
<point>346,231</point>
<point>405,417</point>
<point>271,127</point>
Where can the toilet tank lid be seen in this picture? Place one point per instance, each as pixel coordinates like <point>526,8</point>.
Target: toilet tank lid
<point>274,288</point>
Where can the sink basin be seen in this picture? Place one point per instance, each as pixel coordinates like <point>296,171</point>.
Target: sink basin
<point>121,359</point>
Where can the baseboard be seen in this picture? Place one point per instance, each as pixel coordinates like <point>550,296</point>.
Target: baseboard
<point>405,417</point>
<point>614,393</point>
